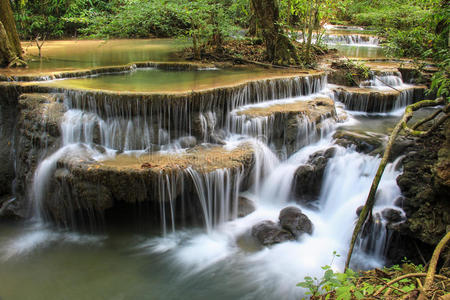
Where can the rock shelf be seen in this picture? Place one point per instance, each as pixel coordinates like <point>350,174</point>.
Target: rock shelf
<point>373,100</point>
<point>86,184</point>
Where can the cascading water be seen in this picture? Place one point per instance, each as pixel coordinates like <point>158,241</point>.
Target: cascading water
<point>380,94</point>
<point>96,127</point>
<point>347,39</point>
<point>384,81</point>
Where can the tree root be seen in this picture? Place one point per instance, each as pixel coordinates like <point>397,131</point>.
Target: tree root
<point>17,63</point>
<point>410,275</point>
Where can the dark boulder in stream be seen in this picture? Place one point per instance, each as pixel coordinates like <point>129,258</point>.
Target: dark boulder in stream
<point>295,221</point>
<point>269,233</point>
<point>372,143</point>
<point>308,177</point>
<point>362,141</point>
<point>392,215</point>
<point>245,206</point>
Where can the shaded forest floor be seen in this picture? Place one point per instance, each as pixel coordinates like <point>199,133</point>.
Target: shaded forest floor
<point>251,51</point>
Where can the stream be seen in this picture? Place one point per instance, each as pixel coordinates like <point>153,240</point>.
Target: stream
<point>217,257</point>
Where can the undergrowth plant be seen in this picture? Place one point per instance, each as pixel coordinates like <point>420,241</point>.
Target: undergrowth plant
<point>373,284</point>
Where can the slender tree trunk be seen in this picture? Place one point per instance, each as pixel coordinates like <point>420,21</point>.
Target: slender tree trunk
<point>217,38</point>
<point>10,48</point>
<point>252,24</point>
<point>196,47</point>
<point>311,22</point>
<point>279,48</point>
<point>288,18</point>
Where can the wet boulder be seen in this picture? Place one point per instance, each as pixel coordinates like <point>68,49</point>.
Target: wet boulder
<point>399,201</point>
<point>402,145</point>
<point>295,221</point>
<point>359,210</point>
<point>187,141</point>
<point>245,206</point>
<point>269,233</point>
<point>362,141</point>
<point>308,177</point>
<point>392,215</point>
<point>6,206</point>
<point>218,137</point>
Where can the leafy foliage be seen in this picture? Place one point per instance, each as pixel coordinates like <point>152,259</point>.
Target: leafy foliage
<point>440,82</point>
<point>57,18</point>
<point>352,285</point>
<point>417,28</point>
<point>127,18</point>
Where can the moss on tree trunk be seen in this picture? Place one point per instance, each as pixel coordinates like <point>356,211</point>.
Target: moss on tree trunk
<point>279,48</point>
<point>10,48</point>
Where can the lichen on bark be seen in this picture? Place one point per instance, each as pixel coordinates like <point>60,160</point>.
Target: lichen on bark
<point>10,48</point>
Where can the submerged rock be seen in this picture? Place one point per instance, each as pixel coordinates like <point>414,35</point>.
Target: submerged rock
<point>292,219</point>
<point>362,141</point>
<point>269,233</point>
<point>6,206</point>
<point>245,206</point>
<point>392,215</point>
<point>359,210</point>
<point>308,178</point>
<point>372,143</point>
<point>187,141</point>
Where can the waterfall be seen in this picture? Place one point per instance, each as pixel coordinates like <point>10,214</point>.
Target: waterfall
<point>384,81</point>
<point>346,39</point>
<point>381,93</point>
<point>351,39</point>
<point>197,208</point>
<point>218,193</point>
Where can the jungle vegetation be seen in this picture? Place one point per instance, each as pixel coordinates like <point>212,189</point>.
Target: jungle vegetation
<point>415,28</point>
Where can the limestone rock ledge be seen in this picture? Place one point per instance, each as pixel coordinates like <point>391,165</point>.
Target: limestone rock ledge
<point>293,124</point>
<point>86,184</point>
<point>372,100</point>
<point>38,135</point>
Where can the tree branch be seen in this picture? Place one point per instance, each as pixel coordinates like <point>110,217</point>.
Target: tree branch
<point>432,268</point>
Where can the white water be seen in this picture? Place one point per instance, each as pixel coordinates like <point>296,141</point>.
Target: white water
<point>349,40</point>
<point>224,243</point>
<point>277,269</point>
<point>365,102</point>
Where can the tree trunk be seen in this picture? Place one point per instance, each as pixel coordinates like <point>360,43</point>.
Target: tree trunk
<point>311,21</point>
<point>197,55</point>
<point>279,49</point>
<point>10,48</point>
<point>288,16</point>
<point>252,24</point>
